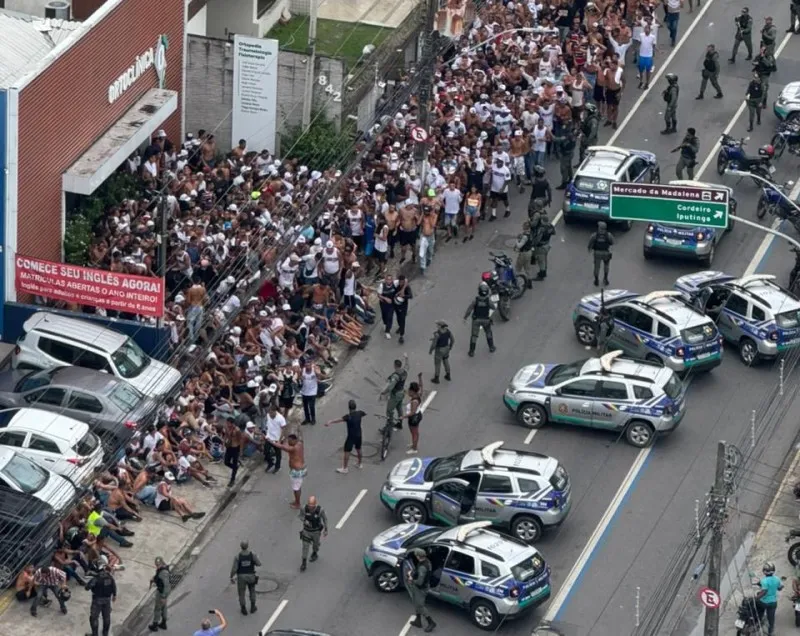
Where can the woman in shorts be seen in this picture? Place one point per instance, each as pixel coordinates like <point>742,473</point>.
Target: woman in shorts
<point>472,208</point>
<point>414,413</point>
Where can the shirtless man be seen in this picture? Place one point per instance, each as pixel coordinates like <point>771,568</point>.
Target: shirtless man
<point>519,148</point>
<point>392,217</point>
<point>195,297</point>
<point>208,151</point>
<point>428,236</point>
<point>409,222</point>
<point>297,465</point>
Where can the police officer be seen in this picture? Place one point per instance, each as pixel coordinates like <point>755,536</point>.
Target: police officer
<point>689,148</point>
<point>441,344</point>
<point>535,209</point>
<point>670,95</point>
<point>589,128</point>
<point>480,309</point>
<point>163,589</point>
<point>769,33</point>
<point>243,573</point>
<point>395,390</point>
<point>744,33</point>
<point>755,100</point>
<point>794,15</point>
<point>104,591</point>
<point>764,64</point>
<point>566,149</point>
<point>605,325</point>
<point>600,243</point>
<point>418,582</point>
<point>315,524</point>
<point>710,72</point>
<point>540,188</point>
<point>524,249</point>
<point>541,244</point>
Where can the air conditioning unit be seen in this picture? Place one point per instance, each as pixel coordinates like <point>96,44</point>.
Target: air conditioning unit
<point>57,9</point>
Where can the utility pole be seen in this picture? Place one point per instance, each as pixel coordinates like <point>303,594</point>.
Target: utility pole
<point>718,502</point>
<point>308,94</point>
<point>163,217</point>
<point>426,71</point>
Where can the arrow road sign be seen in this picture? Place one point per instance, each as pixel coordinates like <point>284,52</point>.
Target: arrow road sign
<point>692,206</point>
<point>709,598</point>
<point>418,134</point>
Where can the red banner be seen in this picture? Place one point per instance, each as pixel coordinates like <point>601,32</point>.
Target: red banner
<point>143,295</point>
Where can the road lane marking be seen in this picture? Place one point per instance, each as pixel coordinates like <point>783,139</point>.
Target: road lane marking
<point>575,574</point>
<point>407,626</point>
<point>270,622</point>
<point>427,401</point>
<point>529,438</point>
<point>350,510</point>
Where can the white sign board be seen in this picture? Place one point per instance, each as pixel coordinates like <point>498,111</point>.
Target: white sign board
<point>255,92</point>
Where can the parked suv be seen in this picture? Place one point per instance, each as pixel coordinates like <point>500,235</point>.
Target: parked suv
<point>638,398</point>
<point>661,327</point>
<point>494,577</point>
<point>28,533</point>
<point>587,196</point>
<point>51,340</point>
<point>522,491</point>
<point>753,312</point>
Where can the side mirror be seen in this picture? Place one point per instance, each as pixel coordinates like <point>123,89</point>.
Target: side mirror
<point>557,392</point>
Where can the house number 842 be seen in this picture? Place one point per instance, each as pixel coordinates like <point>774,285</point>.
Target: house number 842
<point>323,81</point>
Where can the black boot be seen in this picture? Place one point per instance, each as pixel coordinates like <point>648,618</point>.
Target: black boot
<point>417,622</point>
<point>153,627</point>
<point>430,626</point>
<point>471,352</point>
<point>529,284</point>
<point>435,379</point>
<point>605,281</point>
<point>447,377</point>
<point>540,276</point>
<point>700,96</point>
<point>253,608</point>
<point>303,566</point>
<point>162,625</point>
<point>243,610</point>
<point>492,348</point>
<point>596,282</point>
<point>314,557</point>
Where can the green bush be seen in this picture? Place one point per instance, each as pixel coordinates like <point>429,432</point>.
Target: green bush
<point>77,239</point>
<point>321,145</point>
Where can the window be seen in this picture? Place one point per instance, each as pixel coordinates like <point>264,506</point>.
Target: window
<point>451,489</point>
<point>12,438</point>
<point>580,388</point>
<point>130,360</point>
<point>737,305</point>
<point>613,390</point>
<point>60,351</point>
<point>490,570</point>
<point>25,475</point>
<point>53,397</point>
<point>461,562</point>
<point>528,485</point>
<point>638,166</point>
<point>500,484</point>
<point>663,330</point>
<point>758,313</point>
<point>84,402</point>
<point>126,397</point>
<point>642,392</point>
<point>641,321</point>
<point>623,314</point>
<point>35,380</point>
<point>43,444</point>
<point>92,360</point>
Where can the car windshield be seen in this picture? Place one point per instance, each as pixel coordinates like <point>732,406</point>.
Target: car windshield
<point>86,445</point>
<point>564,372</point>
<point>125,397</point>
<point>423,538</point>
<point>28,477</point>
<point>673,387</point>
<point>528,569</point>
<point>443,467</point>
<point>788,319</point>
<point>698,334</point>
<point>34,380</point>
<point>129,359</point>
<point>591,184</point>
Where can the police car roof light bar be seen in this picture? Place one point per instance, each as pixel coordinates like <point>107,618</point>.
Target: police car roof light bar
<point>660,295</point>
<point>611,149</point>
<point>608,359</point>
<point>488,451</point>
<point>467,529</point>
<point>755,278</point>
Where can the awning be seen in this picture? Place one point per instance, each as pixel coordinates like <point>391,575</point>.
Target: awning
<point>116,145</point>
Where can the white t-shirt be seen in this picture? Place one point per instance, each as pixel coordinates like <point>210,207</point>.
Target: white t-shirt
<point>355,217</point>
<point>273,426</point>
<point>452,201</point>
<point>330,261</point>
<point>500,178</point>
<point>647,45</point>
<point>287,272</point>
<point>539,139</point>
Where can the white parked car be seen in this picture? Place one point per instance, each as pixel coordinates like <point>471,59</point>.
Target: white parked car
<point>20,474</point>
<point>56,442</point>
<point>52,340</point>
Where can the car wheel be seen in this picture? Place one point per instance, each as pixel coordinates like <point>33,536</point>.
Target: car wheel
<point>411,512</point>
<point>625,226</point>
<point>708,259</point>
<point>792,117</point>
<point>527,528</point>
<point>640,434</point>
<point>652,357</point>
<point>484,614</point>
<point>648,255</point>
<point>386,579</point>
<point>748,351</point>
<point>6,576</point>
<point>586,333</point>
<point>532,416</point>
<point>568,218</point>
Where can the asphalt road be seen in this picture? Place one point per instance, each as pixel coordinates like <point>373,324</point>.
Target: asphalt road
<point>631,508</point>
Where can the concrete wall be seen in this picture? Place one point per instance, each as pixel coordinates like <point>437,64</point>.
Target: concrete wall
<point>31,7</point>
<point>270,18</point>
<point>209,87</point>
<point>198,24</point>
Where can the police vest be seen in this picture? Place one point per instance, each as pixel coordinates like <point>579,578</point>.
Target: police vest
<point>312,521</point>
<point>540,188</point>
<point>482,308</point>
<point>246,564</point>
<point>601,242</point>
<point>443,339</point>
<point>400,381</point>
<point>91,523</point>
<point>528,245</point>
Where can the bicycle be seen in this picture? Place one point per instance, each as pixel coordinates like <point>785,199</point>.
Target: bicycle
<point>386,433</point>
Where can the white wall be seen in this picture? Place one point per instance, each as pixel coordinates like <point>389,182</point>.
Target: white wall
<point>31,7</point>
<point>197,25</point>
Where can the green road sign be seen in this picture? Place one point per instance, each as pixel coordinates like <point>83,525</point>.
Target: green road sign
<point>677,205</point>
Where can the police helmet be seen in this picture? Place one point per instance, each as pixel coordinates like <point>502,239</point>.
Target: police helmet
<point>591,109</point>
<point>671,78</point>
<point>483,289</point>
<point>539,171</point>
<point>244,545</point>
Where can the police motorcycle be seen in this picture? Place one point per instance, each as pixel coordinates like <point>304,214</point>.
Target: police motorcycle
<point>773,200</point>
<point>504,284</point>
<point>786,136</point>
<point>732,156</point>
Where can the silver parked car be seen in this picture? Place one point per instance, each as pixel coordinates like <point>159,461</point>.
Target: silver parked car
<point>111,407</point>
<point>492,576</point>
<point>642,399</point>
<point>521,491</point>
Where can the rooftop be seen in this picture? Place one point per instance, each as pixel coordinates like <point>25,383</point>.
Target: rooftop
<point>26,41</point>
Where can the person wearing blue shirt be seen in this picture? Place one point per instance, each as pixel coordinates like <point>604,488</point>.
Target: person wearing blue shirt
<point>768,594</point>
<point>207,630</point>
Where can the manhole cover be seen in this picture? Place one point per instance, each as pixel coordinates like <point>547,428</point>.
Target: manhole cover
<point>503,241</point>
<point>266,586</point>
